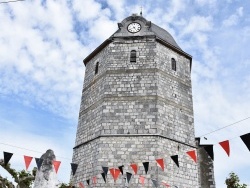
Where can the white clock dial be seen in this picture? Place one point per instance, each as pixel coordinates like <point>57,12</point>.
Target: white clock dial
<point>134,27</point>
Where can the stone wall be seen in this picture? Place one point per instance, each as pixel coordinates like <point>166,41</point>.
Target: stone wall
<point>136,112</point>
<point>114,151</point>
<point>205,167</point>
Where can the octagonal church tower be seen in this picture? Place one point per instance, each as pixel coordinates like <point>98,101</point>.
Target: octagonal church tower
<point>136,107</point>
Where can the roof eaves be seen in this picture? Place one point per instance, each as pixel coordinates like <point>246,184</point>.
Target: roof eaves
<point>97,50</point>
<point>167,44</point>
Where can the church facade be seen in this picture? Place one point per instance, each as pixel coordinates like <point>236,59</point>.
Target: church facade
<point>137,107</point>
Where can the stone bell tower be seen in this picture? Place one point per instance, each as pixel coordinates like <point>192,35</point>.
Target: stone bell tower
<point>136,107</point>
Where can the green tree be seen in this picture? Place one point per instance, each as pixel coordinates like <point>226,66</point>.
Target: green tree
<point>233,181</point>
<point>64,185</point>
<point>22,178</point>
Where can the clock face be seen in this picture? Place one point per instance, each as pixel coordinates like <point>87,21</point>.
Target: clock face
<point>134,27</point>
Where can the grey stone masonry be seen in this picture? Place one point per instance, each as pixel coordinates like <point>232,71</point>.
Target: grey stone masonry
<point>205,167</point>
<point>134,112</point>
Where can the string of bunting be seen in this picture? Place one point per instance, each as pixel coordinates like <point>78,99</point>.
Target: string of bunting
<point>115,172</point>
<point>128,178</point>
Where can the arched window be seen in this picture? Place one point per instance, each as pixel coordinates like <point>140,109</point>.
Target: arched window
<point>133,56</point>
<point>96,68</point>
<point>173,64</point>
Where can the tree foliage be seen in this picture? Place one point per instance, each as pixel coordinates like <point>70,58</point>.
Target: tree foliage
<point>233,181</point>
<point>22,178</point>
<point>64,185</point>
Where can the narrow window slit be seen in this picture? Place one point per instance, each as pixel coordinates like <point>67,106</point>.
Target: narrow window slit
<point>96,68</point>
<point>173,64</point>
<point>133,56</point>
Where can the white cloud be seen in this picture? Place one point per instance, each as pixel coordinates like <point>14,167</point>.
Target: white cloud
<point>86,10</point>
<point>205,2</point>
<point>198,24</point>
<point>234,18</point>
<point>41,60</point>
<point>42,51</point>
<point>118,8</point>
<point>105,25</point>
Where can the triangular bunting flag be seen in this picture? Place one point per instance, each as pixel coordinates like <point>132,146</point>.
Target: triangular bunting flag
<point>121,168</point>
<point>246,139</point>
<point>146,164</point>
<point>165,184</point>
<point>94,180</point>
<point>129,175</point>
<point>87,182</point>
<point>81,185</point>
<point>175,159</point>
<point>225,146</point>
<point>134,167</point>
<point>142,179</point>
<point>39,162</point>
<point>105,170</point>
<point>155,183</point>
<point>7,156</point>
<point>103,176</point>
<point>74,168</point>
<point>56,165</point>
<point>192,154</point>
<point>27,161</point>
<point>112,171</point>
<point>115,173</point>
<point>210,150</point>
<point>161,163</point>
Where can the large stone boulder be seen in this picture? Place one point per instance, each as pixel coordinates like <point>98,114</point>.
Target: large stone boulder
<point>46,176</point>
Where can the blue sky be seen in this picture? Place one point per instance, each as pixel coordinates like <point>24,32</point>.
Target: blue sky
<point>43,43</point>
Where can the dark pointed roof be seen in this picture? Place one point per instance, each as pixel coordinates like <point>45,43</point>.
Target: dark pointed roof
<point>147,29</point>
<point>151,29</point>
<point>164,35</point>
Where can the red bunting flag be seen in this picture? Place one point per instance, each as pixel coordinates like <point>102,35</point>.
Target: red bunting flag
<point>161,163</point>
<point>115,173</point>
<point>165,184</point>
<point>134,167</point>
<point>27,161</point>
<point>94,180</point>
<point>56,165</point>
<point>81,185</point>
<point>225,146</point>
<point>112,171</point>
<point>192,154</point>
<point>141,179</point>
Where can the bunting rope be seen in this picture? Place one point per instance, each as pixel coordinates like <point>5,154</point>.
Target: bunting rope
<point>22,166</point>
<point>110,149</point>
<point>11,1</point>
<point>115,172</point>
<point>225,126</point>
<point>31,150</point>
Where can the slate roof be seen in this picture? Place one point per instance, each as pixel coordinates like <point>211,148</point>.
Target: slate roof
<point>164,35</point>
